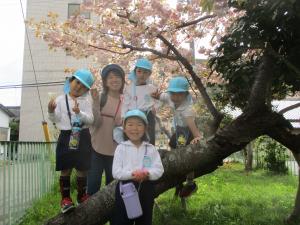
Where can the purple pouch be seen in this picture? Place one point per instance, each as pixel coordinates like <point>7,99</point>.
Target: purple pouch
<point>131,200</point>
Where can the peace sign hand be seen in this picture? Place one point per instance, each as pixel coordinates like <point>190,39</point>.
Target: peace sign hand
<point>76,107</point>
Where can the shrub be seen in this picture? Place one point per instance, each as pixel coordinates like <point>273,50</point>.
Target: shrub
<point>273,155</point>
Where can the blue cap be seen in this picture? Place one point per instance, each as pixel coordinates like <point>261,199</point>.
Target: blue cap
<point>112,67</point>
<point>178,84</point>
<point>84,76</point>
<point>143,63</point>
<point>136,113</point>
<point>140,63</point>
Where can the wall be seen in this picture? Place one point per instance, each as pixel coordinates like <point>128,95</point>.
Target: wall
<point>49,67</point>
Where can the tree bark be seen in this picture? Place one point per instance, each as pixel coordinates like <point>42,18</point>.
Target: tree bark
<point>248,157</point>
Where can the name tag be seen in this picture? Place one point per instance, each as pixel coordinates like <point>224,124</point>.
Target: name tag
<point>147,162</point>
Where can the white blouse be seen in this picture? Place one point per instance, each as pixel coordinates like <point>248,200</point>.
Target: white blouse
<point>138,97</point>
<point>60,115</point>
<point>129,158</point>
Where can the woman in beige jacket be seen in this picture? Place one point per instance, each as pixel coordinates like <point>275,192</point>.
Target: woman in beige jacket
<point>107,115</point>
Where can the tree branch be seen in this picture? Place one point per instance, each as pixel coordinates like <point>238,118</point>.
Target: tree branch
<point>262,84</point>
<point>286,109</point>
<point>194,22</point>
<point>155,52</point>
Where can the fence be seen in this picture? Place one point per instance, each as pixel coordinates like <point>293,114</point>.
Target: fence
<point>26,173</point>
<point>258,160</point>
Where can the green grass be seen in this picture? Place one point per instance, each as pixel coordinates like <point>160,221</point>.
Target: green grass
<point>228,196</point>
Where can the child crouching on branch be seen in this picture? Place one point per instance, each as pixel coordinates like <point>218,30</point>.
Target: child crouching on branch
<point>186,131</point>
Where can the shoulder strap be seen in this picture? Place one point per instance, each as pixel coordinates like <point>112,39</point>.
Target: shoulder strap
<point>118,107</point>
<point>103,100</point>
<point>68,108</point>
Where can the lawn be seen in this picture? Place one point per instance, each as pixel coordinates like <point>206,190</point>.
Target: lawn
<point>229,196</point>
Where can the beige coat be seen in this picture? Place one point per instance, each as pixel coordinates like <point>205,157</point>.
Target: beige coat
<point>104,122</point>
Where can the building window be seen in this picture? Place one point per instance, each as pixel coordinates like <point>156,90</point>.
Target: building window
<point>74,9</point>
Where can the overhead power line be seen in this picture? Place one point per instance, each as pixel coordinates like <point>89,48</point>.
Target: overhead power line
<point>29,85</point>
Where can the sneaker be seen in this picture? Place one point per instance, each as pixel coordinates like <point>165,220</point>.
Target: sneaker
<point>66,205</point>
<point>188,189</point>
<point>83,199</point>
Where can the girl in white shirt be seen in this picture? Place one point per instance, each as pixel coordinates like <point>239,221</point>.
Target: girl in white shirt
<point>136,161</point>
<point>73,111</point>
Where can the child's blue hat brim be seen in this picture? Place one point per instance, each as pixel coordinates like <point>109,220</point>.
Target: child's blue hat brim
<point>67,87</point>
<point>176,90</point>
<point>136,113</point>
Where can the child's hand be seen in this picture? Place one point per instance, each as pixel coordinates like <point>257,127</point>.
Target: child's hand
<point>195,140</point>
<point>140,175</point>
<point>156,94</point>
<point>76,107</point>
<point>95,94</point>
<point>51,106</point>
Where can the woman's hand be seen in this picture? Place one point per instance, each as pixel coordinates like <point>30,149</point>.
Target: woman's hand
<point>51,106</point>
<point>94,94</point>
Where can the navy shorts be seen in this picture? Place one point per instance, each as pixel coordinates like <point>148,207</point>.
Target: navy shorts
<point>180,132</point>
<point>80,158</point>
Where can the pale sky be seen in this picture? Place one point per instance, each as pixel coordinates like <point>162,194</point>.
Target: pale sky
<point>11,49</point>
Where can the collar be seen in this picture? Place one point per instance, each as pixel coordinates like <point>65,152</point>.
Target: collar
<point>129,143</point>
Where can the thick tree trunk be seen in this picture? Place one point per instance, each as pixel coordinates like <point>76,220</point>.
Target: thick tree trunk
<point>202,158</point>
<point>294,217</point>
<point>248,157</point>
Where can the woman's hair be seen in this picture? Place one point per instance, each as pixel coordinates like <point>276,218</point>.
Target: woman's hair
<point>144,137</point>
<point>104,80</point>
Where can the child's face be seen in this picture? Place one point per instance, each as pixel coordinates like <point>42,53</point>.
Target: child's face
<point>178,97</point>
<point>135,129</point>
<point>142,75</point>
<point>77,88</point>
<point>114,82</point>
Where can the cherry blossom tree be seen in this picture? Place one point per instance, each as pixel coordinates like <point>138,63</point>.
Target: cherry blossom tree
<point>249,50</point>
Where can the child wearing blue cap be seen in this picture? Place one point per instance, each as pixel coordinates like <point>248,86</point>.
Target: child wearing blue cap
<point>137,95</point>
<point>186,131</point>
<point>107,114</point>
<point>137,162</point>
<point>72,113</point>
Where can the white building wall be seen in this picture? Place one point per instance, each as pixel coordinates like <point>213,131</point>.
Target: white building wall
<point>4,126</point>
<point>49,66</point>
<point>4,119</point>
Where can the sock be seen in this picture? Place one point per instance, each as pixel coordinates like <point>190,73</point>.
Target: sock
<point>81,186</point>
<point>64,183</point>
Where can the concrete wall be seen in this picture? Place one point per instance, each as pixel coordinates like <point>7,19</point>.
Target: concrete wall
<point>49,67</point>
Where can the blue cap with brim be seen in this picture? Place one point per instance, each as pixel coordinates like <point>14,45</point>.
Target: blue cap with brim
<point>140,63</point>
<point>178,84</point>
<point>136,113</point>
<point>84,76</point>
